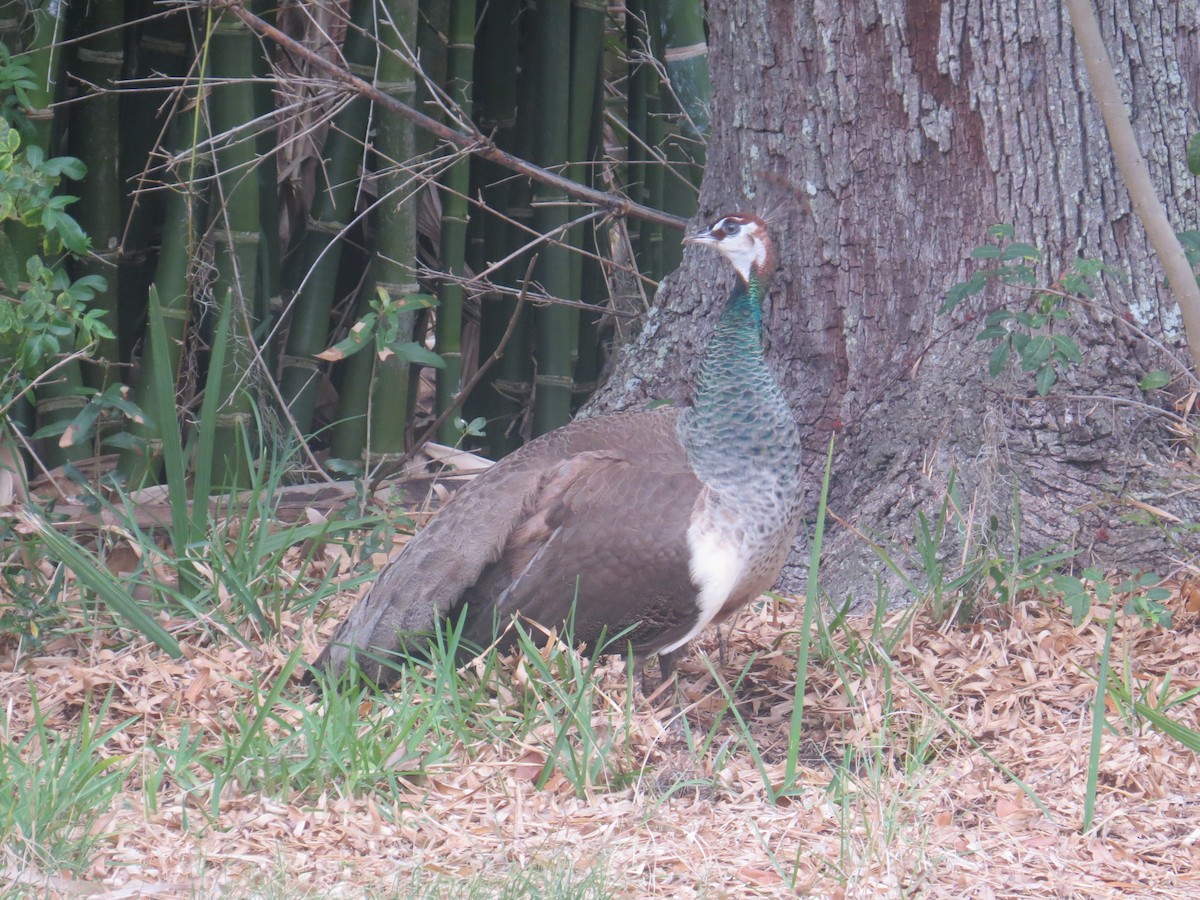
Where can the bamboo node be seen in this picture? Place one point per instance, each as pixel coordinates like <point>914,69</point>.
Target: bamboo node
<point>53,404</point>
<point>397,87</point>
<point>325,227</point>
<point>114,58</point>
<point>675,54</point>
<point>300,362</point>
<point>163,45</point>
<point>224,236</point>
<point>562,381</point>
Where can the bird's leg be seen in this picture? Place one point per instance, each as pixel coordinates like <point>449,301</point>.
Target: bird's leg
<point>652,686</point>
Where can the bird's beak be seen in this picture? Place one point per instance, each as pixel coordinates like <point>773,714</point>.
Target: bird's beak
<point>703,236</point>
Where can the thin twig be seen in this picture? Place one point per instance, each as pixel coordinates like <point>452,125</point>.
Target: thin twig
<point>476,143</point>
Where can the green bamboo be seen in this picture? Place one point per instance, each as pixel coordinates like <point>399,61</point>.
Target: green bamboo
<point>163,53</point>
<point>332,209</point>
<point>268,299</point>
<point>433,25</point>
<point>686,59</point>
<point>12,15</point>
<point>460,62</point>
<point>650,247</point>
<point>684,112</point>
<point>505,384</point>
<point>236,229</point>
<point>373,404</point>
<point>94,129</point>
<point>183,225</point>
<point>637,121</point>
<point>587,45</point>
<point>557,325</point>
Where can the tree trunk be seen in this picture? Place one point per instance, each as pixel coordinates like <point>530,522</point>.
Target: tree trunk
<point>907,129</point>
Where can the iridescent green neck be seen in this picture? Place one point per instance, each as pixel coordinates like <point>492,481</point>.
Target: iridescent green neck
<point>739,416</point>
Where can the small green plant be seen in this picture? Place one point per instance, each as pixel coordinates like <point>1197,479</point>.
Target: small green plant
<point>385,327</point>
<point>46,313</point>
<point>1032,334</point>
<point>55,788</point>
<point>1137,595</point>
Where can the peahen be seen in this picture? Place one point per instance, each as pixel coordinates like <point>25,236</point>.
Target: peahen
<point>650,524</point>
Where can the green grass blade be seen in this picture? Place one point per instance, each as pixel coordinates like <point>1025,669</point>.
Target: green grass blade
<point>164,413</point>
<point>92,575</point>
<point>1098,705</point>
<point>207,426</point>
<point>812,602</point>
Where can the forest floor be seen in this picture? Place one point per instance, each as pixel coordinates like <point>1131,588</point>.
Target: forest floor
<point>909,778</point>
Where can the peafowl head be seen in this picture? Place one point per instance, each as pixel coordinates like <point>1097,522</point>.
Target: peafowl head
<point>743,239</point>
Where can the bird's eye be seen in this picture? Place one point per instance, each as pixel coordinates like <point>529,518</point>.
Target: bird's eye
<point>731,228</point>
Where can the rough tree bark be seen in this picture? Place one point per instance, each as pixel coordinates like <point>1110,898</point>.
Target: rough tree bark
<point>909,128</point>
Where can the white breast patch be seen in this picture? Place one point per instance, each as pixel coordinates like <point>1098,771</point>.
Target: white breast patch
<point>716,568</point>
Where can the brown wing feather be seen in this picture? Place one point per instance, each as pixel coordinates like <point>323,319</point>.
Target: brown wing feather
<point>491,525</point>
<point>605,550</point>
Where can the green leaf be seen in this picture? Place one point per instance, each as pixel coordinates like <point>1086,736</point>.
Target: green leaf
<point>1035,352</point>
<point>1004,232</point>
<point>1075,595</point>
<point>1018,274</point>
<point>985,251</point>
<point>418,301</point>
<point>10,267</point>
<point>1021,251</point>
<point>1154,380</point>
<point>91,574</point>
<point>67,230</point>
<point>1046,377</point>
<point>1193,154</point>
<point>81,427</point>
<point>1068,348</point>
<point>964,289</point>
<point>411,351</point>
<point>66,165</point>
<point>992,333</point>
<point>998,360</point>
<point>357,338</point>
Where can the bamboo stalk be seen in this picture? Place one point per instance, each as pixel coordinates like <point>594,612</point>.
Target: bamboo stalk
<point>94,138</point>
<point>497,52</point>
<point>558,326</point>
<point>163,53</point>
<point>460,61</point>
<point>391,391</point>
<point>235,228</point>
<point>637,39</point>
<point>587,45</point>
<point>684,109</point>
<point>321,247</point>
<point>183,224</point>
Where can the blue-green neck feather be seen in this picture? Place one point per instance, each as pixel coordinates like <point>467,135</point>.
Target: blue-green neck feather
<point>739,418</point>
